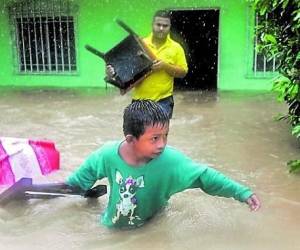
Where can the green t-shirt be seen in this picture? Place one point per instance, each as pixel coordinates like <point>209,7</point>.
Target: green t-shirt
<point>137,193</point>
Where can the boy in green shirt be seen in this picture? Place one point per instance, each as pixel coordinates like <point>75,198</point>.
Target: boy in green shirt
<point>143,172</point>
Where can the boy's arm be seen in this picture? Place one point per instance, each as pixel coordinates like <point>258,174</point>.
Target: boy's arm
<point>215,183</point>
<point>88,173</point>
<point>186,173</point>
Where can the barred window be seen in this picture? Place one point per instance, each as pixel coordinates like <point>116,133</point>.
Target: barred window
<point>262,64</point>
<point>44,36</point>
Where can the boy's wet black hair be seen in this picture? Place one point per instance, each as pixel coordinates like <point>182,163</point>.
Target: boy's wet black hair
<point>140,114</point>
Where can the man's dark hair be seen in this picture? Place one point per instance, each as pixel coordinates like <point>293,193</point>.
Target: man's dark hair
<point>162,13</point>
<point>140,114</point>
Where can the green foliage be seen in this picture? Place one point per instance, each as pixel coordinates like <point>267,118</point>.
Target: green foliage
<point>294,166</point>
<point>296,131</point>
<point>279,36</point>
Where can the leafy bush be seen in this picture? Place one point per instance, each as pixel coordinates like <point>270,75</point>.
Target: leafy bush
<point>279,36</point>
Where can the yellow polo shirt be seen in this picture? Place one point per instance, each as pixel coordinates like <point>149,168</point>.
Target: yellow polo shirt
<point>159,84</point>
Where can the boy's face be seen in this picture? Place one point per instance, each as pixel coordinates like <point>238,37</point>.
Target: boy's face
<point>151,144</point>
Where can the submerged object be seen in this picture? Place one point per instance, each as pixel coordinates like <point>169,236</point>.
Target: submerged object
<point>26,158</point>
<point>24,190</point>
<point>131,59</point>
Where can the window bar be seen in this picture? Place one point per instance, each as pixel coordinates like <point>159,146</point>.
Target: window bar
<point>35,39</point>
<point>23,42</point>
<point>29,36</point>
<point>274,64</point>
<point>255,49</point>
<point>41,35</point>
<point>54,36</point>
<point>68,37</point>
<point>18,39</point>
<point>61,39</point>
<point>265,65</point>
<point>265,58</point>
<point>274,58</point>
<point>47,38</point>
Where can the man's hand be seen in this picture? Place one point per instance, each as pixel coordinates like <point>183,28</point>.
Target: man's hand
<point>110,72</point>
<point>157,65</point>
<point>253,202</point>
<point>172,70</point>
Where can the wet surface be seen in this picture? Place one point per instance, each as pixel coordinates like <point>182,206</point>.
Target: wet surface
<point>233,131</point>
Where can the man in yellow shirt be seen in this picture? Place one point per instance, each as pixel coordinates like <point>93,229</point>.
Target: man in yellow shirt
<point>170,63</point>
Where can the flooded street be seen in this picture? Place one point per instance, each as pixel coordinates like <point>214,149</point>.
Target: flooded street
<point>233,131</point>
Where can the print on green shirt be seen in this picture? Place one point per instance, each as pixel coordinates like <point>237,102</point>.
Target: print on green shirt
<point>128,201</point>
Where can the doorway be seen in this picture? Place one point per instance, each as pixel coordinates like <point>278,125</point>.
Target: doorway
<point>198,32</point>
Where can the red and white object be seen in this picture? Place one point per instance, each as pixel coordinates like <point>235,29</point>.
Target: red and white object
<point>26,158</point>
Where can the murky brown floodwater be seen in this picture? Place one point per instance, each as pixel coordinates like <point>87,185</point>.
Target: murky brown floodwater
<point>235,132</point>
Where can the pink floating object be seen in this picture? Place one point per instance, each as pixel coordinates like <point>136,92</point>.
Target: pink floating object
<point>26,158</point>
